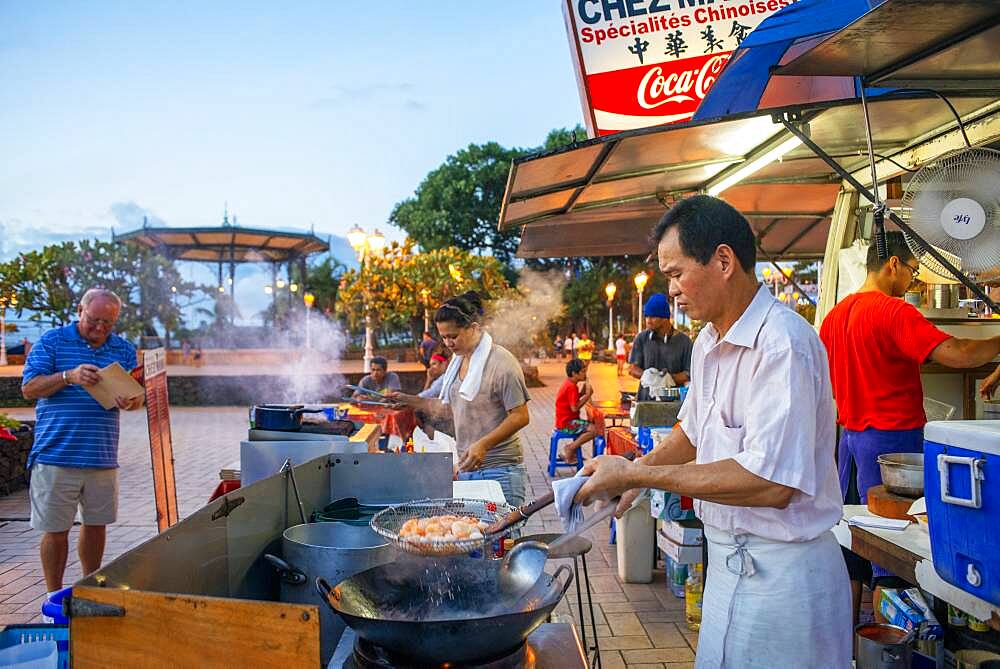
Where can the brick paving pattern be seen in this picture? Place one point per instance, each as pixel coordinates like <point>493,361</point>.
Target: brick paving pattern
<point>640,626</point>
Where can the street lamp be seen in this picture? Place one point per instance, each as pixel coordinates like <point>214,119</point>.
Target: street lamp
<point>5,301</point>
<point>610,291</point>
<point>365,245</point>
<point>308,299</point>
<point>775,278</point>
<point>424,295</point>
<point>640,284</point>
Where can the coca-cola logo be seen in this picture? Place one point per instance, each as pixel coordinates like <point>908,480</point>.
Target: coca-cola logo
<point>657,89</point>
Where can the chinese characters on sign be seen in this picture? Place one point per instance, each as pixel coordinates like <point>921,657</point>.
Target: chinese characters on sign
<point>648,62</point>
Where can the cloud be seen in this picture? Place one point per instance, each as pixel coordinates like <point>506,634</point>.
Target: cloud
<point>17,236</point>
<point>342,96</point>
<point>130,215</point>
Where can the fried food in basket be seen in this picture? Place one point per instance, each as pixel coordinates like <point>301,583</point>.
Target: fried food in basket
<point>442,528</point>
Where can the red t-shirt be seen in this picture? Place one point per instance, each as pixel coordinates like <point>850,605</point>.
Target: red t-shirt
<point>566,400</point>
<point>876,344</point>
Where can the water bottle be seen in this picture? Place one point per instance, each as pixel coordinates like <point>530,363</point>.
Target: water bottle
<point>692,597</point>
<point>676,577</point>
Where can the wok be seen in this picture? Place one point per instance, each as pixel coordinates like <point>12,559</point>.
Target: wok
<point>443,610</point>
<point>288,417</point>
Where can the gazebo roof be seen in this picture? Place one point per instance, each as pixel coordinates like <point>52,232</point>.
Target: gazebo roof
<point>227,244</point>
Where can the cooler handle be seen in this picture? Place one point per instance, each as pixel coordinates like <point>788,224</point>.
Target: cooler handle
<point>975,466</point>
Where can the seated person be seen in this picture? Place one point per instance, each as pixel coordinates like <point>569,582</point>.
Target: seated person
<point>380,379</point>
<point>436,365</point>
<point>574,393</point>
<point>432,389</point>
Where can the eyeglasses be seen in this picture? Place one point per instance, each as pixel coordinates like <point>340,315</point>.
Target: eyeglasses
<point>99,321</point>
<point>913,270</point>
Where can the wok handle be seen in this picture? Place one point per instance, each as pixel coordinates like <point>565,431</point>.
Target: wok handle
<point>299,412</point>
<point>569,577</point>
<point>287,572</point>
<point>521,512</point>
<point>325,590</point>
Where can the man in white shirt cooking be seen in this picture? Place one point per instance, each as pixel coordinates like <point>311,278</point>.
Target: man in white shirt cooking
<point>755,448</point>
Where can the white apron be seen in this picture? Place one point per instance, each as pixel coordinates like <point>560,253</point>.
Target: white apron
<point>774,604</point>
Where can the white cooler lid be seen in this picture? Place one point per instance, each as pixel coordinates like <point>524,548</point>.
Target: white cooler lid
<point>974,435</point>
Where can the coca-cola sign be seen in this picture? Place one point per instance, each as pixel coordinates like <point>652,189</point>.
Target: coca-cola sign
<point>648,62</point>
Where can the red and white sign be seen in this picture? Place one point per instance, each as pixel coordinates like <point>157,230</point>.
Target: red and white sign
<point>641,63</point>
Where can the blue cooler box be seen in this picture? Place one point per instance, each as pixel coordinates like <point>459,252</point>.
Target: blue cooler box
<point>962,489</point>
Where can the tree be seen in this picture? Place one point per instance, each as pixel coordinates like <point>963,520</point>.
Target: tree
<point>52,280</point>
<point>392,285</point>
<point>458,203</point>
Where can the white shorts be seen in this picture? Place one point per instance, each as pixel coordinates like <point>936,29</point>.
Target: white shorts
<point>56,492</point>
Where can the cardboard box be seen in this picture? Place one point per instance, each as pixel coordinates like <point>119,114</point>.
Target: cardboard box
<point>684,532</point>
<point>679,553</point>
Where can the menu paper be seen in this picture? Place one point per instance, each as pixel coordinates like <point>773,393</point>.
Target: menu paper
<point>115,382</point>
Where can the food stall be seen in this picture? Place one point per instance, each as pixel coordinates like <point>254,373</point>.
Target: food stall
<point>785,137</point>
<point>228,586</point>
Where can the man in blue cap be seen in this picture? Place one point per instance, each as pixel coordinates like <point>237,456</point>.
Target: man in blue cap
<point>660,347</point>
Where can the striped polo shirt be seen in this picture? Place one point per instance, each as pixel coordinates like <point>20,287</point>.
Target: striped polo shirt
<point>72,429</point>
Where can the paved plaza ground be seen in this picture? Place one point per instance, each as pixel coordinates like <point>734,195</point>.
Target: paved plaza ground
<point>639,626</point>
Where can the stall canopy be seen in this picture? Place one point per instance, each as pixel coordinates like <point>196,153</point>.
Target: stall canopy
<point>945,45</point>
<point>746,84</point>
<point>602,197</point>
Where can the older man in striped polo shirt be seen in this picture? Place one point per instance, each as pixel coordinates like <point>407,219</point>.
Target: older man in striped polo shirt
<point>74,460</point>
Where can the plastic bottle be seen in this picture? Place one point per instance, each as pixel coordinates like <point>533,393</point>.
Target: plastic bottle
<point>955,617</point>
<point>676,577</point>
<point>692,597</point>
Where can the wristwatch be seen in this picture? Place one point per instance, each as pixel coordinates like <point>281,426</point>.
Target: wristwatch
<point>65,378</point>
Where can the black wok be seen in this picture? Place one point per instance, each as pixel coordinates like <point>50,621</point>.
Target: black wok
<point>444,610</point>
<point>286,417</point>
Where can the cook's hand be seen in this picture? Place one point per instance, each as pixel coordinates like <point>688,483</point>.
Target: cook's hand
<point>989,385</point>
<point>626,501</point>
<point>84,375</point>
<point>127,404</point>
<point>399,397</point>
<point>473,457</point>
<point>610,476</point>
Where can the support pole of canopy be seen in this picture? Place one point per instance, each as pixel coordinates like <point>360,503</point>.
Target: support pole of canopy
<point>879,213</point>
<point>858,186</point>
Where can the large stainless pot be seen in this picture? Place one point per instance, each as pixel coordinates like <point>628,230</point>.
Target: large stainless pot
<point>903,473</point>
<point>335,551</point>
<point>882,646</point>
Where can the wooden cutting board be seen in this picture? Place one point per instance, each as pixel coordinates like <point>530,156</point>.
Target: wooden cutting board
<point>887,504</point>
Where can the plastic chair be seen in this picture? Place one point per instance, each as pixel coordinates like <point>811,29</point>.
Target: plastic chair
<point>554,460</point>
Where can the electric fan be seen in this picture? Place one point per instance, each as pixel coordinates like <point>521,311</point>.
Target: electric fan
<point>953,203</point>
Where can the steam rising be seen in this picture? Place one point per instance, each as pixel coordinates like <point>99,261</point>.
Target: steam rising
<point>516,322</point>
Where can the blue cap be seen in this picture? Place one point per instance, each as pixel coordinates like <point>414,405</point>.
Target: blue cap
<point>657,306</point>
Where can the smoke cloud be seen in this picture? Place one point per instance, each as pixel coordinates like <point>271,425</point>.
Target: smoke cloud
<point>516,322</point>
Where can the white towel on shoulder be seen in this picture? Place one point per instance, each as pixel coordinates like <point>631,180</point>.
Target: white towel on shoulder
<point>474,378</point>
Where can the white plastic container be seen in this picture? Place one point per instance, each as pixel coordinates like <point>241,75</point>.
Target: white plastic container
<point>31,655</point>
<point>635,541</point>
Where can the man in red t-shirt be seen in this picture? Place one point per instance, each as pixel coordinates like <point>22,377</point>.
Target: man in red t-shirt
<point>572,395</point>
<point>876,343</point>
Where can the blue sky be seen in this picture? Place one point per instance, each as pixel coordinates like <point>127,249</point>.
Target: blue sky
<point>296,114</point>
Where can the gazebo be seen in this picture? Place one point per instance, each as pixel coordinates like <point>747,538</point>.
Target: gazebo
<point>229,245</point>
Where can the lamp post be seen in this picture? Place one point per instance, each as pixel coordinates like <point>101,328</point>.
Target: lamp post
<point>5,301</point>
<point>640,283</point>
<point>776,278</point>
<point>610,291</point>
<point>365,245</point>
<point>424,294</point>
<point>308,299</point>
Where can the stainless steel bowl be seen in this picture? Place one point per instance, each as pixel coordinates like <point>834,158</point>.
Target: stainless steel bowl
<point>903,473</point>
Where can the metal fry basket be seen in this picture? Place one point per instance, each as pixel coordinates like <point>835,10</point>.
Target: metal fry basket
<point>388,522</point>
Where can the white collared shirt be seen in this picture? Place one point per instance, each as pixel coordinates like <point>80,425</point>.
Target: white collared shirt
<point>762,396</point>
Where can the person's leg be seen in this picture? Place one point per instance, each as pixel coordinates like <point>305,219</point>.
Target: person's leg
<point>91,547</point>
<point>569,451</point>
<point>98,509</point>
<point>54,494</point>
<point>54,551</point>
